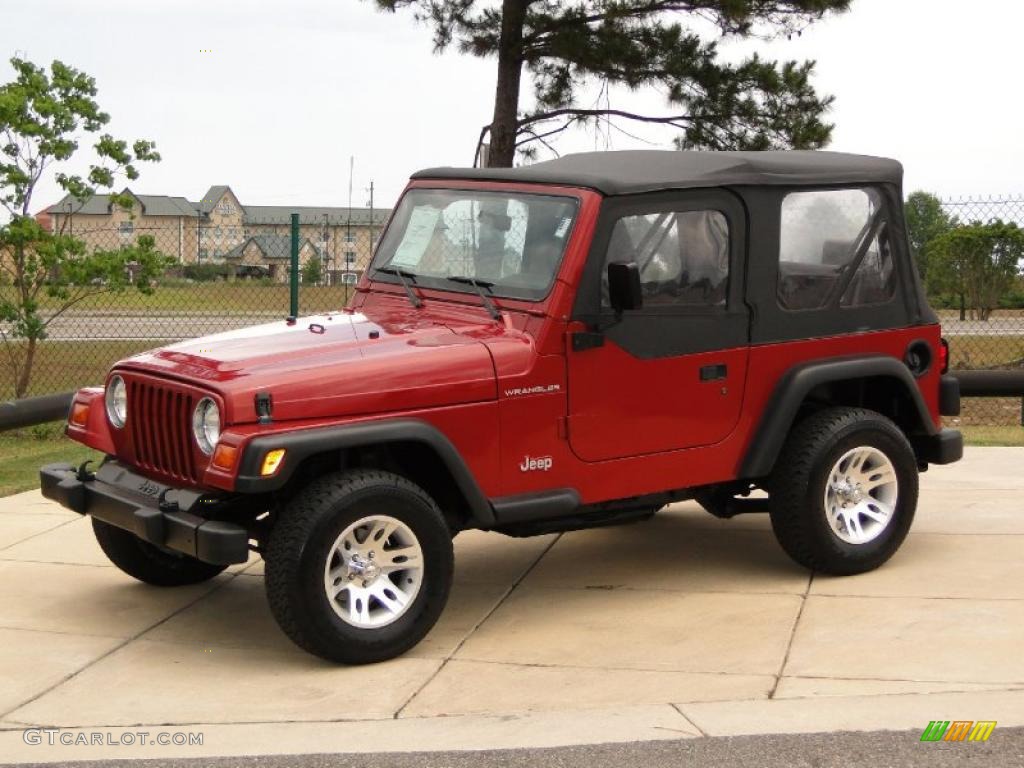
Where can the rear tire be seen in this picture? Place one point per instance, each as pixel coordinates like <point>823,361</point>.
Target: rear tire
<point>844,491</point>
<point>149,563</point>
<point>358,566</point>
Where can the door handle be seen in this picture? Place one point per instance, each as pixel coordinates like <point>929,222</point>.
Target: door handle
<point>714,372</point>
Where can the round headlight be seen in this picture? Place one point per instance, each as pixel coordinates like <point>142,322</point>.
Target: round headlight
<point>206,425</point>
<point>116,398</point>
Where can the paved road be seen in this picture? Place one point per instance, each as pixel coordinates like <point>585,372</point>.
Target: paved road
<point>158,326</point>
<point>997,326</point>
<point>893,749</point>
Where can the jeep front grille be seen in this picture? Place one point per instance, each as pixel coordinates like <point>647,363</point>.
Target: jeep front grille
<point>160,419</point>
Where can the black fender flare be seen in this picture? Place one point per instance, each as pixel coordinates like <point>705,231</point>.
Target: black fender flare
<point>303,443</point>
<point>794,386</point>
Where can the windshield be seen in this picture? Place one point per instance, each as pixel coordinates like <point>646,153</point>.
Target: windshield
<point>512,243</point>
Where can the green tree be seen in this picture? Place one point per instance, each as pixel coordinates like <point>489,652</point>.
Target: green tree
<point>312,272</point>
<point>926,221</point>
<point>44,117</point>
<point>980,262</point>
<point>752,104</point>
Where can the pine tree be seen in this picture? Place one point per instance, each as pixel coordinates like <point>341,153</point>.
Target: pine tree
<point>753,104</point>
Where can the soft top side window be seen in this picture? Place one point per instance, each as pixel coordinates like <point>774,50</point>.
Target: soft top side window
<point>834,248</point>
<point>683,256</point>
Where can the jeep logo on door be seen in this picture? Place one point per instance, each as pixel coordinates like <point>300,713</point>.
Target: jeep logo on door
<point>536,464</point>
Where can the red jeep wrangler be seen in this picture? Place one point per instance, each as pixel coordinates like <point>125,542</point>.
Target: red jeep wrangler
<point>570,344</point>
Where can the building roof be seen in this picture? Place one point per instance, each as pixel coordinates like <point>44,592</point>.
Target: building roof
<point>164,205</point>
<point>281,214</point>
<point>272,246</point>
<point>152,205</point>
<point>633,171</point>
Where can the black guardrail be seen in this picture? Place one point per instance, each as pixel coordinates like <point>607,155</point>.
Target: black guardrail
<point>991,383</point>
<point>34,410</point>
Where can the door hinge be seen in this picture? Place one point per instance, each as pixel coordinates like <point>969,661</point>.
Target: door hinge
<point>584,340</point>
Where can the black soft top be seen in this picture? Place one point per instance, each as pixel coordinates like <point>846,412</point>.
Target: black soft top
<point>632,171</point>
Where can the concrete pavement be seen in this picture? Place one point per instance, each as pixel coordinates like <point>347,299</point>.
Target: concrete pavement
<point>681,627</point>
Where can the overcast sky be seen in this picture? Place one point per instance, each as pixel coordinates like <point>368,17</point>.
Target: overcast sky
<point>274,97</point>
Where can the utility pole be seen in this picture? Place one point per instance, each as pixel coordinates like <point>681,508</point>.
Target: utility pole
<point>325,248</point>
<point>348,225</point>
<point>371,217</point>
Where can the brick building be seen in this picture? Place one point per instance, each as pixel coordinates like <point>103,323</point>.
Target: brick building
<point>219,229</point>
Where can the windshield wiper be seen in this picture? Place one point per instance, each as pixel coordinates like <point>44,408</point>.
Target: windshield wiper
<point>479,285</point>
<point>402,274</point>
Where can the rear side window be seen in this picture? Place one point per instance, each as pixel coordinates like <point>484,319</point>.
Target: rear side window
<point>834,246</point>
<point>683,256</point>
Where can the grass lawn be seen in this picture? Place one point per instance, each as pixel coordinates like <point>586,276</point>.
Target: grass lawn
<point>62,366</point>
<point>988,435</point>
<point>23,452</point>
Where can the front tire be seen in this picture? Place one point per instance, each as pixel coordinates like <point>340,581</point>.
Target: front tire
<point>358,566</point>
<point>844,491</point>
<point>149,563</point>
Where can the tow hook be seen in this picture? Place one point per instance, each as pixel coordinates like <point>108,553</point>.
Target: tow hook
<point>163,504</point>
<point>83,475</point>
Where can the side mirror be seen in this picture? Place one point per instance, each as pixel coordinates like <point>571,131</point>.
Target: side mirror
<point>624,290</point>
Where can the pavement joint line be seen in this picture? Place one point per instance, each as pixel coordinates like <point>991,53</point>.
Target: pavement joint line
<point>792,637</point>
<point>1014,684</point>
<point>8,559</point>
<point>39,533</point>
<point>918,597</point>
<point>59,632</point>
<point>498,603</point>
<point>683,715</point>
<point>5,714</point>
<point>679,708</point>
<point>680,591</point>
<point>961,534</point>
<point>885,694</point>
<point>662,670</point>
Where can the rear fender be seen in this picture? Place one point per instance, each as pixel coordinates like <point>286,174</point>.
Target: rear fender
<point>792,391</point>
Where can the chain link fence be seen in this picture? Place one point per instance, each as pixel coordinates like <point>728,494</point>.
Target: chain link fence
<point>221,278</point>
<point>996,343</point>
<point>225,277</point>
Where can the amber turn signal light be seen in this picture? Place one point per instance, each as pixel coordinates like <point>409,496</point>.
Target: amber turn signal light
<point>272,461</point>
<point>224,457</point>
<point>79,414</point>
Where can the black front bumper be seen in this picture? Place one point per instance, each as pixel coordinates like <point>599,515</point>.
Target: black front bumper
<point>944,447</point>
<point>155,513</point>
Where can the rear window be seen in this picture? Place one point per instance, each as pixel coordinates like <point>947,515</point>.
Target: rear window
<point>834,248</point>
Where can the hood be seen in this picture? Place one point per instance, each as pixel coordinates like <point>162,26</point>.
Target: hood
<point>333,365</point>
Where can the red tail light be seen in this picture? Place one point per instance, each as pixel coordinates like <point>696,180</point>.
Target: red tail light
<point>943,356</point>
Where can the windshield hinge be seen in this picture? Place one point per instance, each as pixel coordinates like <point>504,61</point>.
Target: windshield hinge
<point>264,403</point>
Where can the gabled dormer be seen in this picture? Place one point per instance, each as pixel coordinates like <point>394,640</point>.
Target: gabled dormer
<point>219,200</point>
